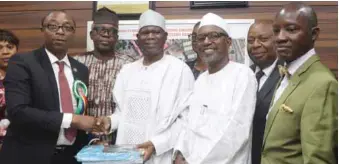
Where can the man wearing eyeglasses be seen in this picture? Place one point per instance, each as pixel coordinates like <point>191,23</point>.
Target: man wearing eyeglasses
<point>197,66</point>
<point>40,101</point>
<point>218,129</point>
<point>104,63</point>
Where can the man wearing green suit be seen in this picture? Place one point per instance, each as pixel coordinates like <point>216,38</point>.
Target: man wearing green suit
<point>301,126</point>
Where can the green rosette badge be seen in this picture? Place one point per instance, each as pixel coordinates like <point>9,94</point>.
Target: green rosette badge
<point>80,94</point>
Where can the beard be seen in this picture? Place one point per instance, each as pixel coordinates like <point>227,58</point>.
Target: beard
<point>210,59</point>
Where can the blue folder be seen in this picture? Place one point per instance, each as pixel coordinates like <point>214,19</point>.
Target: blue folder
<point>114,154</point>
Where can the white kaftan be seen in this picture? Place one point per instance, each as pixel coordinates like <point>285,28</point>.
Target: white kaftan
<point>221,109</point>
<point>145,97</point>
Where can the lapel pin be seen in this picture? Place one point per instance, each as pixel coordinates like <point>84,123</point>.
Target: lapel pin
<point>75,70</point>
<point>286,108</point>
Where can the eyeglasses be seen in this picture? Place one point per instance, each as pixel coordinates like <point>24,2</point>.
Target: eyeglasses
<point>55,28</point>
<point>103,31</point>
<point>192,37</point>
<point>212,36</point>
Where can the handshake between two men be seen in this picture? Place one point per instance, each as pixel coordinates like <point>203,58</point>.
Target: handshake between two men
<point>95,125</point>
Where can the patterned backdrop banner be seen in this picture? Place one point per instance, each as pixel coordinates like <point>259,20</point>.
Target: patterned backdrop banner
<point>178,43</point>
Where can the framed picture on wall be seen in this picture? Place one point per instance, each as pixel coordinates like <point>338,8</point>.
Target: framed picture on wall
<point>217,4</point>
<point>126,10</point>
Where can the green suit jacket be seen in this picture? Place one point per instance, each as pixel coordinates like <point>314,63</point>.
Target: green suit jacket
<point>307,133</point>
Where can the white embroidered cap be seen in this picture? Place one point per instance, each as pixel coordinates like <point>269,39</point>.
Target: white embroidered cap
<point>152,18</point>
<point>216,20</point>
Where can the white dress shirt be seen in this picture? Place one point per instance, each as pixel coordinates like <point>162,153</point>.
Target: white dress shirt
<point>67,118</point>
<point>267,72</point>
<point>292,68</point>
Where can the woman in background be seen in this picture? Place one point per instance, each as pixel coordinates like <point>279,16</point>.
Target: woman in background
<point>9,44</point>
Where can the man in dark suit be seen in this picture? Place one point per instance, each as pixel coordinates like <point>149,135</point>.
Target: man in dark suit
<point>262,52</point>
<point>40,101</point>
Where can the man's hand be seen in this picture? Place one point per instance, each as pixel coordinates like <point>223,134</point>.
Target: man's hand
<point>179,159</point>
<point>86,123</point>
<point>100,142</point>
<point>2,131</point>
<point>148,149</point>
<point>4,123</point>
<point>102,126</point>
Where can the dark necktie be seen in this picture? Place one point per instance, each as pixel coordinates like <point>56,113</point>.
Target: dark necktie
<point>258,76</point>
<point>66,100</point>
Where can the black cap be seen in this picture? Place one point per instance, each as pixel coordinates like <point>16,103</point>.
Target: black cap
<point>105,16</point>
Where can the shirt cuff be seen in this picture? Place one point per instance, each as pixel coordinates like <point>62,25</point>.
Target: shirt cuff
<point>114,122</point>
<point>66,120</point>
<point>160,143</point>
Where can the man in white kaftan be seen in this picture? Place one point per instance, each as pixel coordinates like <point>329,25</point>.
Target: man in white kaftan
<point>145,98</point>
<point>219,128</point>
<point>145,91</point>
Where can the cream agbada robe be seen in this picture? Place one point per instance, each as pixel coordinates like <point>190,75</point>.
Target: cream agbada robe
<point>220,117</point>
<point>145,99</point>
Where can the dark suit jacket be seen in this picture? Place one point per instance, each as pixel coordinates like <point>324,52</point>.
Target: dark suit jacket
<point>33,108</point>
<point>264,97</point>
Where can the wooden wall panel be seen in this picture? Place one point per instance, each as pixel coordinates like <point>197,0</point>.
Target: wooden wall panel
<point>312,3</point>
<point>262,12</point>
<point>43,6</point>
<point>32,19</point>
<point>24,19</point>
<point>329,56</point>
<point>186,4</point>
